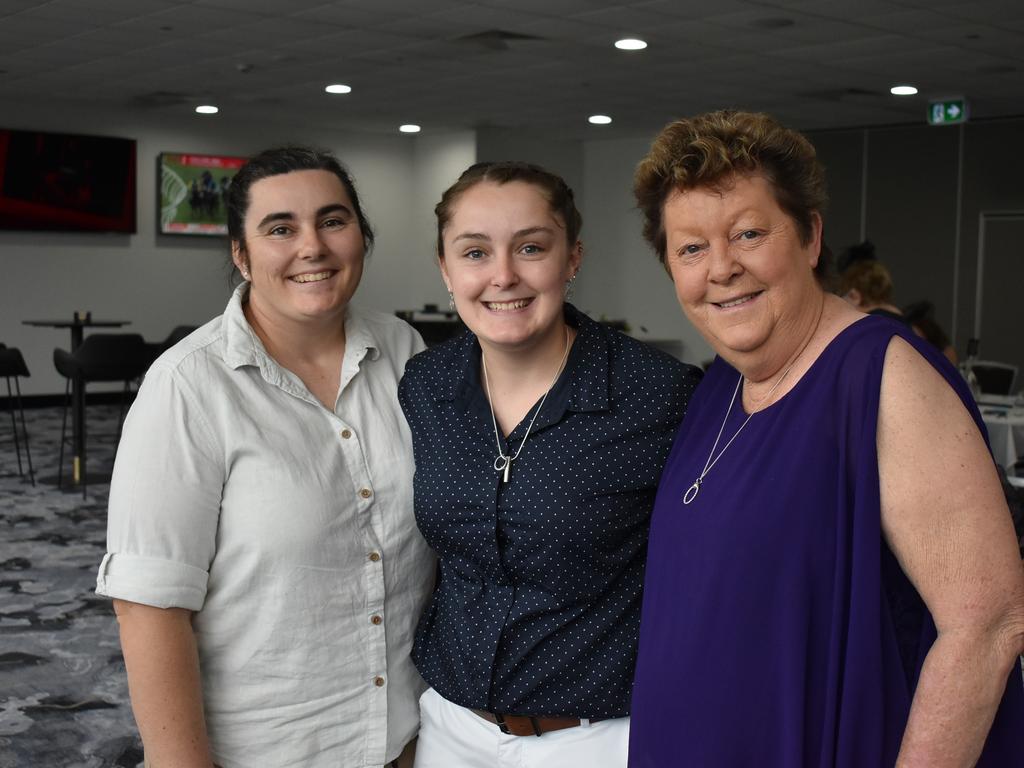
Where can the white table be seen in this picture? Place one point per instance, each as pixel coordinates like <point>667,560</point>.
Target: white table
<point>1005,432</point>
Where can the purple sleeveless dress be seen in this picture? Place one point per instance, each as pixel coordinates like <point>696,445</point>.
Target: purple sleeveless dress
<point>778,630</point>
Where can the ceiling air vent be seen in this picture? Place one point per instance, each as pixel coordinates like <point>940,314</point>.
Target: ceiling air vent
<point>496,39</point>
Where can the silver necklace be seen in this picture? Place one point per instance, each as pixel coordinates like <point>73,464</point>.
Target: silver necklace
<point>504,463</point>
<point>693,490</point>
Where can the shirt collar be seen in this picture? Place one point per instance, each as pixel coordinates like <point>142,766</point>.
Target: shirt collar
<point>360,340</point>
<point>243,347</point>
<point>585,388</point>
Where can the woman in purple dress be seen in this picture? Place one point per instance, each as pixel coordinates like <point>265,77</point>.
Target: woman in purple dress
<point>832,577</point>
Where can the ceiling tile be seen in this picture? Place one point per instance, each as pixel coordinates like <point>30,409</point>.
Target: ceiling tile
<point>408,7</point>
<point>690,10</point>
<point>36,29</point>
<point>905,21</point>
<point>179,22</point>
<point>996,12</point>
<point>261,7</point>
<point>485,19</point>
<point>549,8</point>
<point>129,8</point>
<point>11,7</point>
<point>831,67</point>
<point>75,13</point>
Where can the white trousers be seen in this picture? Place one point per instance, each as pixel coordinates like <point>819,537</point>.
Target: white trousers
<point>455,737</point>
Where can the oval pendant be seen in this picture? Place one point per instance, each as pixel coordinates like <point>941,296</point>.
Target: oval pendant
<point>500,463</point>
<point>691,492</point>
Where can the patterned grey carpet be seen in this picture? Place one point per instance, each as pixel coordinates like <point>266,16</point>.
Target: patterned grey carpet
<point>63,692</point>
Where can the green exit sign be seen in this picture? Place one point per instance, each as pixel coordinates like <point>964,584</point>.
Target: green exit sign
<point>947,112</point>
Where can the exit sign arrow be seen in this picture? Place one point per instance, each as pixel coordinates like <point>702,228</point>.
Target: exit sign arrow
<point>947,112</point>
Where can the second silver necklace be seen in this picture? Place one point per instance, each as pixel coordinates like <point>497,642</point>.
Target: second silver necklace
<point>503,463</point>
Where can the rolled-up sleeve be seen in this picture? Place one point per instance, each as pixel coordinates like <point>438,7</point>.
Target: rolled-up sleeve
<point>164,499</point>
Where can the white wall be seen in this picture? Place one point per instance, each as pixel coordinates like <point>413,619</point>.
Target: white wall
<point>561,156</point>
<point>621,277</point>
<point>437,163</point>
<point>159,281</point>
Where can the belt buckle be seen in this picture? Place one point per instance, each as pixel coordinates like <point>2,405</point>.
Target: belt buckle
<point>503,726</point>
<point>500,720</point>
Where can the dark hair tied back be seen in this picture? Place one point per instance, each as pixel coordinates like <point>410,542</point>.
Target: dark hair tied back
<point>281,160</point>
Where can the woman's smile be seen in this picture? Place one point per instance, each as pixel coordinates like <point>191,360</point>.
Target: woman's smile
<point>740,302</point>
<point>314,277</point>
<point>515,305</point>
<point>506,261</point>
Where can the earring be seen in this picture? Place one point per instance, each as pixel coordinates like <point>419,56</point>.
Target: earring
<point>451,301</point>
<point>569,286</point>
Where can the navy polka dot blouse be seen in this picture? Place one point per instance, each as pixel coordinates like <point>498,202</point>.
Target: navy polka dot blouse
<point>537,606</point>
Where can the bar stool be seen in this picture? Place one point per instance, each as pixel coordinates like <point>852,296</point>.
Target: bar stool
<point>12,366</point>
<point>102,357</point>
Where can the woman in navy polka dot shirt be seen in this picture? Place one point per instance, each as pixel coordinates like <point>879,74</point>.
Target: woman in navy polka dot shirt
<point>539,439</point>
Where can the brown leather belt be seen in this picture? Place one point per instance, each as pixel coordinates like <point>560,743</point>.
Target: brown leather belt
<point>524,725</point>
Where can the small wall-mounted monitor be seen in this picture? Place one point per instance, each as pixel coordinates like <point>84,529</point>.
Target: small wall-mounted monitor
<point>193,192</point>
<point>66,182</point>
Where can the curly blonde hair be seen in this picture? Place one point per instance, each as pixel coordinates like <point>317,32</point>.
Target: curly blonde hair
<point>710,149</point>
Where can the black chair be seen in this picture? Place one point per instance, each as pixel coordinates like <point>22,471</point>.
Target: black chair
<point>102,357</point>
<point>12,366</point>
<point>157,348</point>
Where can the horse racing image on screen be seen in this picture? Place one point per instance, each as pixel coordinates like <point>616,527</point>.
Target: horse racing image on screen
<point>193,193</point>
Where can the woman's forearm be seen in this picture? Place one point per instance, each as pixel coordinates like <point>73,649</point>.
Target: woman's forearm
<point>961,684</point>
<point>163,681</point>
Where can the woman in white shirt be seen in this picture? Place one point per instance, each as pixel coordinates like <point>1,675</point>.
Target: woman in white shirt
<point>266,570</point>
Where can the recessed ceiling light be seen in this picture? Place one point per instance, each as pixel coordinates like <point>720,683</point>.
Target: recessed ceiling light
<point>599,119</point>
<point>338,88</point>
<point>409,128</point>
<point>630,44</point>
<point>903,90</point>
<point>207,109</point>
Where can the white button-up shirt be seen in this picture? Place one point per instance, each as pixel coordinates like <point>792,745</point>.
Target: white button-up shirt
<point>288,528</point>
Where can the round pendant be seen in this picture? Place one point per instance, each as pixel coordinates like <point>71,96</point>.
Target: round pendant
<point>691,492</point>
<point>500,463</point>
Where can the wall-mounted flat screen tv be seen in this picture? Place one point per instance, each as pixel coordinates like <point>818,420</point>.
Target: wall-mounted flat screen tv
<point>193,192</point>
<point>60,181</point>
